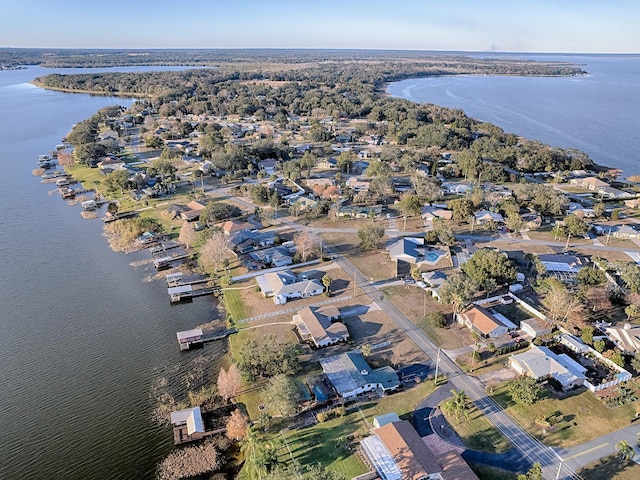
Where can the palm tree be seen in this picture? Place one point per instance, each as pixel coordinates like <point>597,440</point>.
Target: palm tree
<point>457,405</point>
<point>625,450</point>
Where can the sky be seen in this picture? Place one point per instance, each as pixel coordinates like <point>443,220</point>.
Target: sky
<point>567,26</point>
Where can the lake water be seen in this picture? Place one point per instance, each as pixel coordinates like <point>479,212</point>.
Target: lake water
<point>82,335</point>
<point>596,113</point>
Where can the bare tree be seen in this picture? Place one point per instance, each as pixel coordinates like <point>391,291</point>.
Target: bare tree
<point>187,233</point>
<point>215,250</point>
<point>560,304</point>
<point>229,382</point>
<point>237,425</point>
<point>306,245</point>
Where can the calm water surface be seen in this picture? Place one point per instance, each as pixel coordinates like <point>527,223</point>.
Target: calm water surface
<point>82,335</point>
<point>596,113</point>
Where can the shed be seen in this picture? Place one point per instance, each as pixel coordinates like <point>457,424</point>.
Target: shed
<point>382,420</point>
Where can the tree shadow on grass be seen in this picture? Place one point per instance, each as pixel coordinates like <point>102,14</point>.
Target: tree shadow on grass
<point>610,467</point>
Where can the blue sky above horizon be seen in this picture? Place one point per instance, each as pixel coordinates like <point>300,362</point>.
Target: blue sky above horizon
<point>558,26</point>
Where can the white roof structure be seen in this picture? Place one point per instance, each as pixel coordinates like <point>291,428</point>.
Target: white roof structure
<point>188,335</point>
<point>191,417</point>
<point>383,461</point>
<point>540,362</point>
<point>382,420</point>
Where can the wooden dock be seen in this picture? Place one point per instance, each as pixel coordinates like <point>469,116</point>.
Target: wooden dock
<point>165,262</point>
<point>117,216</point>
<point>197,338</point>
<point>180,295</point>
<point>181,436</point>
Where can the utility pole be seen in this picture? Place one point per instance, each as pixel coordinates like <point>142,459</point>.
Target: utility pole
<point>424,306</point>
<point>435,379</point>
<point>566,247</point>
<point>559,470</point>
<point>355,283</point>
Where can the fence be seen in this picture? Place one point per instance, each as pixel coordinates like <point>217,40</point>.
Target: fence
<point>292,309</point>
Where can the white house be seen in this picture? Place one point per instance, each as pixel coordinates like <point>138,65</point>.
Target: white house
<point>284,285</point>
<point>351,375</point>
<point>541,363</point>
<point>627,338</point>
<point>321,326</point>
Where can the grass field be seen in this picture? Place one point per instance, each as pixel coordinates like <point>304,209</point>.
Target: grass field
<point>484,472</point>
<point>333,443</point>
<point>581,417</point>
<point>611,468</point>
<point>479,434</point>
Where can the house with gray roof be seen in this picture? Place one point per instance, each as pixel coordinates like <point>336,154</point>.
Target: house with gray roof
<point>541,363</point>
<point>321,326</point>
<point>351,375</point>
<point>626,338</point>
<point>285,285</point>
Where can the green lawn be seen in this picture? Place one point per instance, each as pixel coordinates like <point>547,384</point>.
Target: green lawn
<point>233,305</point>
<point>478,433</point>
<point>333,443</point>
<point>581,417</point>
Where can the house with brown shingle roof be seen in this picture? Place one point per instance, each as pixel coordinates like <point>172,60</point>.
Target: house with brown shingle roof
<point>322,328</point>
<point>397,452</point>
<point>480,320</point>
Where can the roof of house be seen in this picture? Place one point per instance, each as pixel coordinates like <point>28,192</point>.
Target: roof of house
<point>486,215</point>
<point>319,326</point>
<point>407,248</point>
<point>540,362</point>
<point>435,278</point>
<point>410,453</point>
<point>232,226</point>
<point>482,319</point>
<point>558,262</point>
<point>196,205</point>
<point>285,283</point>
<point>430,212</point>
<point>454,467</point>
<point>627,337</point>
<point>191,416</point>
<point>349,371</point>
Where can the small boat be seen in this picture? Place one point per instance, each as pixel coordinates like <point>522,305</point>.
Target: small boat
<point>67,192</point>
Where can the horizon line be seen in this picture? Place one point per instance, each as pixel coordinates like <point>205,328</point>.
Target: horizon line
<point>362,49</point>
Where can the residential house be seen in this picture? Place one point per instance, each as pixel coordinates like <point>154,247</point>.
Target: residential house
<point>354,211</point>
<point>456,188</point>
<point>321,326</point>
<point>397,452</point>
<point>193,210</point>
<point>482,321</point>
<point>351,375</point>
<point>304,203</point>
<point>541,363</point>
<point>274,256</point>
<point>599,187</point>
<point>430,213</point>
<point>328,163</point>
<point>233,226</point>
<point>284,285</point>
<point>625,231</point>
<point>626,338</point>
<point>358,184</point>
<point>268,166</point>
<point>485,216</point>
<point>565,267</point>
<point>434,280</point>
<point>535,327</point>
<point>110,163</point>
<point>407,249</point>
